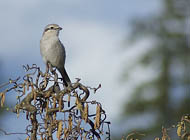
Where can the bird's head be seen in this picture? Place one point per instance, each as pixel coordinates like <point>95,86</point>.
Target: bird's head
<point>52,29</point>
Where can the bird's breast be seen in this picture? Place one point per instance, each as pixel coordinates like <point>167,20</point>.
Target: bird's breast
<point>52,51</point>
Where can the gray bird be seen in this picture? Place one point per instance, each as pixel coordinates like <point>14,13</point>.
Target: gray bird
<point>53,51</point>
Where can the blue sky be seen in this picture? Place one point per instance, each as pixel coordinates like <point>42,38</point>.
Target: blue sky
<point>93,34</point>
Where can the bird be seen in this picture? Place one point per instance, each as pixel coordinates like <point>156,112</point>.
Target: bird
<point>53,51</point>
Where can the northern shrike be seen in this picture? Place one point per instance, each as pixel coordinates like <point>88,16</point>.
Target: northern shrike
<point>53,51</point>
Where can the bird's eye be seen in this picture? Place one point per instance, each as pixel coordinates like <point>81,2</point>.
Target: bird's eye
<point>51,28</point>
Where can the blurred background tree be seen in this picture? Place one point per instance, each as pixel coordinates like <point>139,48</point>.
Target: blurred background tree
<point>166,97</point>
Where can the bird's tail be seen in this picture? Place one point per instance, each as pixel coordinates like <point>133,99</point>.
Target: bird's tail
<point>65,77</point>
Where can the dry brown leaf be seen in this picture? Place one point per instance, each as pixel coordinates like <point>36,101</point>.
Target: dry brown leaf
<point>179,129</point>
<point>70,123</point>
<point>60,103</point>
<point>66,133</point>
<point>24,88</point>
<point>59,129</point>
<point>54,106</point>
<point>79,106</point>
<point>78,126</point>
<point>86,113</point>
<point>45,81</point>
<point>2,95</point>
<point>98,116</point>
<point>47,105</point>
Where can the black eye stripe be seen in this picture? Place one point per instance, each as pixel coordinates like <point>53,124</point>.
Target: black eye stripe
<point>50,28</point>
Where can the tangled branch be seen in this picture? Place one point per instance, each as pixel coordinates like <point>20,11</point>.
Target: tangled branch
<point>52,109</point>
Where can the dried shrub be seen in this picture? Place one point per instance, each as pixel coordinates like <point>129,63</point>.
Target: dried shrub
<point>43,100</point>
